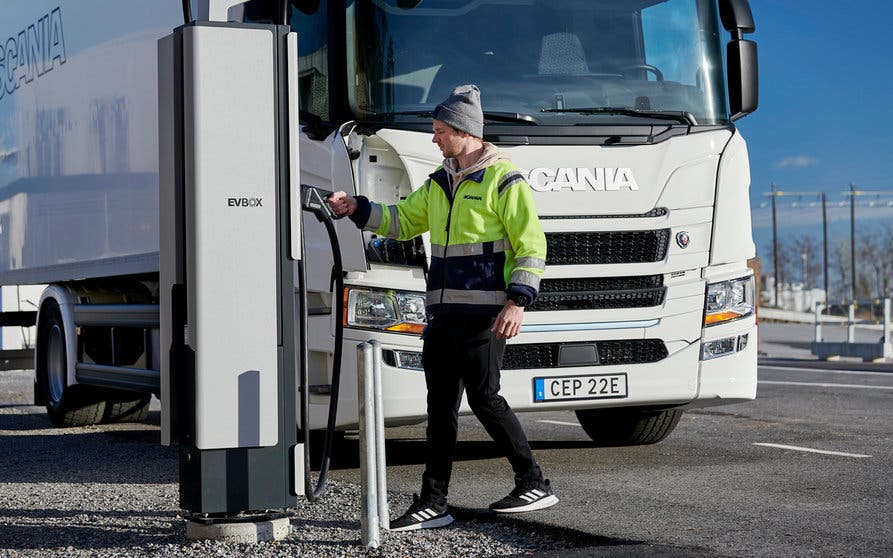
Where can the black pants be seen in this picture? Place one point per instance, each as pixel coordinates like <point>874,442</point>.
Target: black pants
<point>461,351</point>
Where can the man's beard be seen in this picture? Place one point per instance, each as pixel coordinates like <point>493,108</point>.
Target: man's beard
<point>447,152</point>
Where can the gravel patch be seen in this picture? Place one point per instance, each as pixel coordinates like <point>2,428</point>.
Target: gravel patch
<point>112,490</point>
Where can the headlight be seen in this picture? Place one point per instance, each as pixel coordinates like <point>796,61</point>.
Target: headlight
<point>729,300</point>
<point>399,311</point>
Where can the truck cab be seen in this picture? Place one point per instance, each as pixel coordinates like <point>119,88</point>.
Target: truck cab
<point>619,114</point>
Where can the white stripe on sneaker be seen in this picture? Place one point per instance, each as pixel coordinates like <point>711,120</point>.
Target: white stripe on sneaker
<point>526,497</point>
<point>542,503</point>
<point>538,492</point>
<point>441,521</point>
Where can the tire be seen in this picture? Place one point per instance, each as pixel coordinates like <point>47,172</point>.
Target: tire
<point>122,406</point>
<point>66,405</point>
<point>634,426</point>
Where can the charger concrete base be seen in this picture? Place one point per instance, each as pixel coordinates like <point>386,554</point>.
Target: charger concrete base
<point>250,529</point>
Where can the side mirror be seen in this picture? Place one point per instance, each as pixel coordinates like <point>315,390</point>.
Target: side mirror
<point>736,16</point>
<point>744,87</point>
<point>741,54</point>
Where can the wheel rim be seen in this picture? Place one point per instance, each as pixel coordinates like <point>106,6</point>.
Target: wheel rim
<point>56,373</point>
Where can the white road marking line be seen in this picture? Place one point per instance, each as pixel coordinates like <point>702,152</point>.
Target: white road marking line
<point>559,422</point>
<point>826,370</point>
<point>811,450</point>
<point>818,384</point>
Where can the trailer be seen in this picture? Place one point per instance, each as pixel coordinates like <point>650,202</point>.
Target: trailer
<point>620,115</point>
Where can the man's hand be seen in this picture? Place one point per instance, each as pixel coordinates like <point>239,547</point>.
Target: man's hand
<point>508,322</point>
<point>342,203</point>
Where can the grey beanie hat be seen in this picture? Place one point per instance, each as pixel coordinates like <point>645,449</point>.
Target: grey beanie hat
<point>462,110</point>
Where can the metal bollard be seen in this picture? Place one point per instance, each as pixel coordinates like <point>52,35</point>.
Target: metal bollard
<point>380,461</point>
<point>369,523</point>
<point>887,321</point>
<point>819,307</point>
<point>373,465</point>
<point>851,324</point>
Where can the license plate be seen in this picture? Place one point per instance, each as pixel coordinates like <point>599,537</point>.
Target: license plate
<point>563,388</point>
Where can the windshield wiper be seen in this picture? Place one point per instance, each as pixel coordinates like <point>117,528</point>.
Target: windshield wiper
<point>510,117</point>
<point>495,116</point>
<point>680,116</point>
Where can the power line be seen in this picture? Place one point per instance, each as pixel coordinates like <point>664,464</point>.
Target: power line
<point>852,193</point>
<point>831,204</point>
<point>775,194</point>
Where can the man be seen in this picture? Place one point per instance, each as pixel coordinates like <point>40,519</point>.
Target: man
<point>488,253</point>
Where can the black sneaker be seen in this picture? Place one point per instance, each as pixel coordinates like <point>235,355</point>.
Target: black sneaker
<point>527,497</point>
<point>422,515</point>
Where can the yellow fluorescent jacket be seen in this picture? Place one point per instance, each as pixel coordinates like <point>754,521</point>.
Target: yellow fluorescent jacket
<point>484,239</point>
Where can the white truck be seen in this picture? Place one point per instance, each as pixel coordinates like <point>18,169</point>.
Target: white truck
<point>618,112</point>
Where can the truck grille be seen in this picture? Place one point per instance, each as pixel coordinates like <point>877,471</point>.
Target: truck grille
<point>600,293</point>
<point>545,355</point>
<point>618,247</point>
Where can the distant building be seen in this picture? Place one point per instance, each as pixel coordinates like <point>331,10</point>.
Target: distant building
<point>791,296</point>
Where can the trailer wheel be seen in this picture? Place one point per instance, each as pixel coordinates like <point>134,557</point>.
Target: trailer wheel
<point>634,426</point>
<point>122,406</point>
<point>66,405</point>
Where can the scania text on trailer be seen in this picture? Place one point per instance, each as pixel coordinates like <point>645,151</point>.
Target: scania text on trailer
<point>620,114</point>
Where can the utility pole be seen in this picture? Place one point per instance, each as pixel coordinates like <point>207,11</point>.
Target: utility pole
<point>825,242</point>
<point>853,195</point>
<point>775,194</point>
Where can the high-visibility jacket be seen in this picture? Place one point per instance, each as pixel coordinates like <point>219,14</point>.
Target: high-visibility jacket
<point>485,240</point>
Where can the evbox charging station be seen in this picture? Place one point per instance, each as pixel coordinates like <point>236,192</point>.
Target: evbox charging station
<point>230,236</point>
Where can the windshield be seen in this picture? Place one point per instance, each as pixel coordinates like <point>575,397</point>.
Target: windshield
<point>544,58</point>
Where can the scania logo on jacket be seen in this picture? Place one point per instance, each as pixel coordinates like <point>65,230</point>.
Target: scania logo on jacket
<point>543,179</point>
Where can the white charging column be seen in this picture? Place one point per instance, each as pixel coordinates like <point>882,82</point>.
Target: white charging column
<point>226,254</point>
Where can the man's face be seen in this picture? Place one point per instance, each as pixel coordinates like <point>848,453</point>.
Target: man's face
<point>448,139</point>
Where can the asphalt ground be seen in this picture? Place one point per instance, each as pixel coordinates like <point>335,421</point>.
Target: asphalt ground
<point>804,470</point>
<point>740,480</point>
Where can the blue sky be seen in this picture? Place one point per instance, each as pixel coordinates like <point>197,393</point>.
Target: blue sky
<point>825,116</point>
<point>826,111</point>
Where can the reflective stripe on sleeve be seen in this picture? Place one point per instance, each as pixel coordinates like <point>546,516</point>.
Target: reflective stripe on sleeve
<point>531,263</point>
<point>394,226</point>
<point>374,218</point>
<point>522,277</point>
<point>508,181</point>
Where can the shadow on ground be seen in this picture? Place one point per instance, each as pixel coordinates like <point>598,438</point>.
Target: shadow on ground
<point>86,529</point>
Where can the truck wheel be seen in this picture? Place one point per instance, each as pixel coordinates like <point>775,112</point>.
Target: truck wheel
<point>122,406</point>
<point>634,426</point>
<point>66,405</point>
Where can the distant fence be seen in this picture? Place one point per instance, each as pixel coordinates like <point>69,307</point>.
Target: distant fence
<point>857,316</point>
<point>775,314</point>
